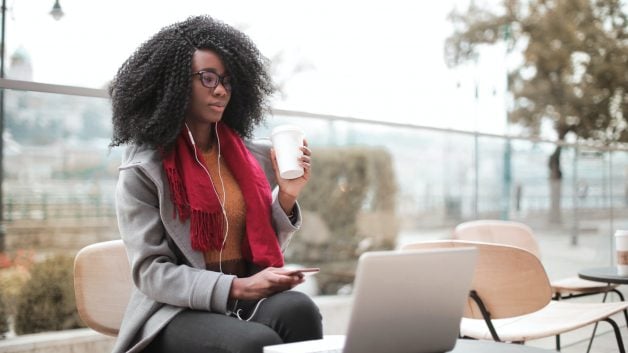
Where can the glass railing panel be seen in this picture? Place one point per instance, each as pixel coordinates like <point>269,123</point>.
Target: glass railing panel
<point>494,174</point>
<point>414,184</point>
<point>431,167</point>
<point>591,203</point>
<point>59,174</point>
<point>530,180</point>
<point>58,195</point>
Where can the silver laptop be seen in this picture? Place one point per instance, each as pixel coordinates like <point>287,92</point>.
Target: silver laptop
<point>404,301</point>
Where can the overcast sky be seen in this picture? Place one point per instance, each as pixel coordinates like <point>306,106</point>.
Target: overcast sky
<point>375,60</point>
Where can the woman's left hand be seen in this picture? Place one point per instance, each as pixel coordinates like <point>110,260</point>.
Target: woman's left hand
<point>289,189</point>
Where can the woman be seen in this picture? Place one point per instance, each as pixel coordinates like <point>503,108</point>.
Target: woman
<point>203,230</point>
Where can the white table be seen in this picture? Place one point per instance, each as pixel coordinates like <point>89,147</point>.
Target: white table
<point>332,342</point>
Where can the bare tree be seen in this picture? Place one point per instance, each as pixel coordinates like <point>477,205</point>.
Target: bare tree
<point>285,67</point>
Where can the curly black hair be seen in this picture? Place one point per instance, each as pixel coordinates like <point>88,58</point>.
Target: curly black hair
<point>151,90</point>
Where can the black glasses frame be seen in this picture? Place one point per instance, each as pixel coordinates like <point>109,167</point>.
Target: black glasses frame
<point>221,79</point>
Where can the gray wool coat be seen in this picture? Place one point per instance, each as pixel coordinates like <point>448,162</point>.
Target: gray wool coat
<point>170,276</point>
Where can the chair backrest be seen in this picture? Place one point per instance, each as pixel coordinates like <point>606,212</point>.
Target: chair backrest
<point>500,232</point>
<point>102,285</point>
<point>510,281</point>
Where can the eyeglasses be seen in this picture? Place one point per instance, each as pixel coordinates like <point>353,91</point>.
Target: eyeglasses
<point>211,79</point>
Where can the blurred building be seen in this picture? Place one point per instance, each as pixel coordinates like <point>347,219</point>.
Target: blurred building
<point>20,66</point>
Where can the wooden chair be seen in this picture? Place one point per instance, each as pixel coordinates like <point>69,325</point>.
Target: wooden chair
<point>102,285</point>
<point>520,235</point>
<point>510,300</point>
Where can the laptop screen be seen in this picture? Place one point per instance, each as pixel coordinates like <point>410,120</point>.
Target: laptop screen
<point>409,301</point>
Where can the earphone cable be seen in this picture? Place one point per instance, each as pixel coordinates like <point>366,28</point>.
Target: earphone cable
<point>224,194</point>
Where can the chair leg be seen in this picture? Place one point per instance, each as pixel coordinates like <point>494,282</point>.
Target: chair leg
<point>620,342</point>
<point>485,314</point>
<point>558,297</point>
<point>595,326</point>
<point>621,297</point>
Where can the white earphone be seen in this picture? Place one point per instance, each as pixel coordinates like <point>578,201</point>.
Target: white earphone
<point>222,184</point>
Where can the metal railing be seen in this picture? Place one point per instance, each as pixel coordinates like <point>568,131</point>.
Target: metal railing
<point>444,175</point>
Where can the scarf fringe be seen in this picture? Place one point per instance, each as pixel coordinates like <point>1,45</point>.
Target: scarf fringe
<point>207,230</point>
<point>178,195</point>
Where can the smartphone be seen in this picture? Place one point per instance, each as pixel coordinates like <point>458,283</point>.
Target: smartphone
<point>303,271</point>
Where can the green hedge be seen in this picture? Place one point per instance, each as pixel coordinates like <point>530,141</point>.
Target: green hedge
<point>46,302</point>
<point>348,208</point>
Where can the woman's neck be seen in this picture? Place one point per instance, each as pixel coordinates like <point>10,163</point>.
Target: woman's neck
<point>203,135</point>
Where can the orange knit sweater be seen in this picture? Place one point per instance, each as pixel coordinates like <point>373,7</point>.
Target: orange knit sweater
<point>232,261</point>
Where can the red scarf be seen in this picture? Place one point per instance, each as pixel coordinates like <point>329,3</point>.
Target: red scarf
<point>193,195</point>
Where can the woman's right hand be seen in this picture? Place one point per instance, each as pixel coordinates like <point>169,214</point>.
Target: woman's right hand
<point>265,283</point>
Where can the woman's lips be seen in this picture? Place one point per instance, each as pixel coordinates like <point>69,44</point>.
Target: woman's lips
<point>217,106</point>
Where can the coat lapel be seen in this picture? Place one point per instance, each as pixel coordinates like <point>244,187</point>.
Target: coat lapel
<point>179,232</point>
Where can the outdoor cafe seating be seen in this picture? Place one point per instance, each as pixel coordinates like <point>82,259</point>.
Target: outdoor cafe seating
<point>511,298</point>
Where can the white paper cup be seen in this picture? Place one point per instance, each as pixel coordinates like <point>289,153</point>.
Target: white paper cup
<point>621,246</point>
<point>287,141</point>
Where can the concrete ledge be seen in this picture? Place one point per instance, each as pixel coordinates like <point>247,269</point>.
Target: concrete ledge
<point>79,340</point>
<point>335,310</point>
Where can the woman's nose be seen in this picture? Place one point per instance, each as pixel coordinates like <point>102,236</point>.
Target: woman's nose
<point>220,90</point>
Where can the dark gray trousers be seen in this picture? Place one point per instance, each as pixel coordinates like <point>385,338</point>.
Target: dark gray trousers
<point>284,317</point>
